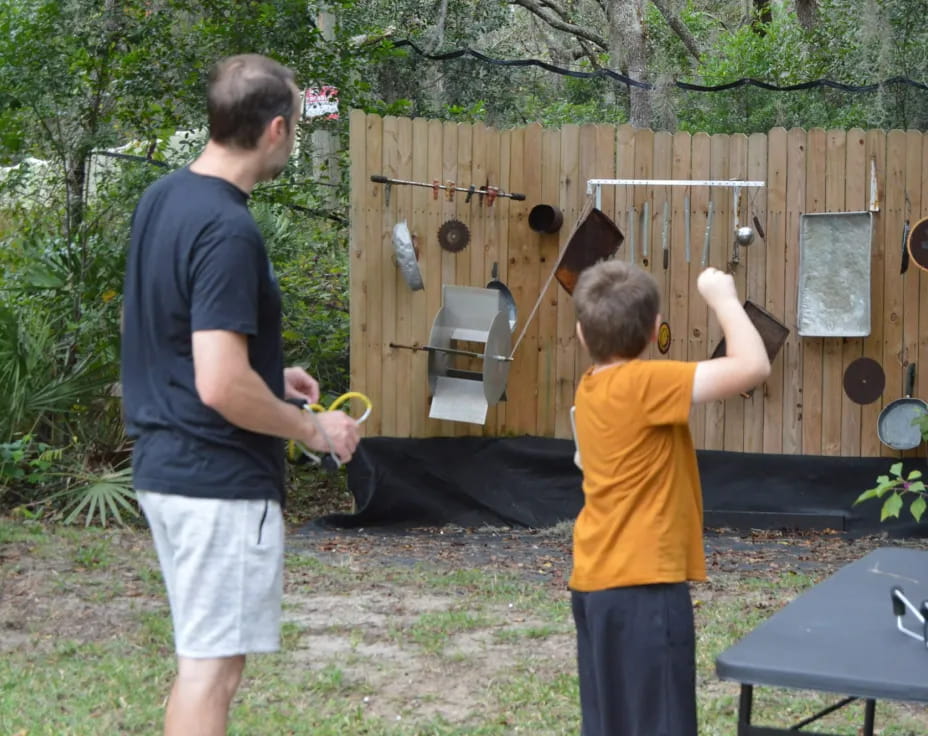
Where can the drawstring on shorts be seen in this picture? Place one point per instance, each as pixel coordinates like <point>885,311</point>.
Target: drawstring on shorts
<point>263,517</point>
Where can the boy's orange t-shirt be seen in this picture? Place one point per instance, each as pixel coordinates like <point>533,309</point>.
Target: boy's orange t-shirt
<point>641,521</point>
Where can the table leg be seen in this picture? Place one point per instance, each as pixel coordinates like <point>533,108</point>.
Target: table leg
<point>745,703</point>
<point>869,717</point>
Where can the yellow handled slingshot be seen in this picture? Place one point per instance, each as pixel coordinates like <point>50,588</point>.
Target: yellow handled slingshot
<point>331,461</point>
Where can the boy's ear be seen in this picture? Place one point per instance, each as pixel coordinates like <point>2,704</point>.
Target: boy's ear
<point>657,326</point>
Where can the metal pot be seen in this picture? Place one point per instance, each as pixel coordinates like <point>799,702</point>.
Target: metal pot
<point>545,218</point>
<point>894,426</point>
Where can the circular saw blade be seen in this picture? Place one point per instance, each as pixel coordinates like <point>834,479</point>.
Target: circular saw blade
<point>453,236</point>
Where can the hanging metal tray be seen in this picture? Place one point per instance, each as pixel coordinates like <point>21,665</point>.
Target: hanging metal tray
<point>834,274</point>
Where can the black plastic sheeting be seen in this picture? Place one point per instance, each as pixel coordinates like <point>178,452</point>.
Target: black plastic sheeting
<point>532,482</point>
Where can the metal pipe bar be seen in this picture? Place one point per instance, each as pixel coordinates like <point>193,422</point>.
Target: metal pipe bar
<point>381,179</point>
<point>452,351</point>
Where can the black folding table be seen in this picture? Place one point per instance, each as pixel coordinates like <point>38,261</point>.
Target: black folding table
<point>841,637</point>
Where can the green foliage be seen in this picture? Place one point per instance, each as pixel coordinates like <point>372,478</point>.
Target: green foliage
<point>25,460</point>
<point>103,496</point>
<point>896,486</point>
<point>780,52</point>
<point>311,262</point>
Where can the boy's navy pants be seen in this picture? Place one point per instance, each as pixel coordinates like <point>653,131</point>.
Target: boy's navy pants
<point>636,660</point>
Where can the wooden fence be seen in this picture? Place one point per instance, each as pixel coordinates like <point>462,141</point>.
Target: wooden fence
<point>802,408</point>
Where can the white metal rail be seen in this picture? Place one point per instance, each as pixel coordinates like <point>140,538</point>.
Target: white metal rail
<point>596,185</point>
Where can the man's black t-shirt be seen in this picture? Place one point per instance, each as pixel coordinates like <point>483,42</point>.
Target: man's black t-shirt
<point>197,262</point>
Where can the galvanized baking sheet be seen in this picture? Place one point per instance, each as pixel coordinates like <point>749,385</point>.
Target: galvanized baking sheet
<point>834,274</point>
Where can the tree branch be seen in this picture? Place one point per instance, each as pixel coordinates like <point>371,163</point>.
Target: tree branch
<point>538,9</point>
<point>679,27</point>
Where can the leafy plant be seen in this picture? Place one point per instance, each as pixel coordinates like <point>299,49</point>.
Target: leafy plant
<point>105,495</point>
<point>897,486</point>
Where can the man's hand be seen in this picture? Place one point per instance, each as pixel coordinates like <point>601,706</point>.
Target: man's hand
<point>298,384</point>
<point>341,430</point>
<point>716,287</point>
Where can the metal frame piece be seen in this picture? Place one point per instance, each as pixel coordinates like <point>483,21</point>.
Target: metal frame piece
<point>746,728</point>
<point>596,185</point>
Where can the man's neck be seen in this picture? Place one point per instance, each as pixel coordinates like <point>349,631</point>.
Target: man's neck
<point>236,167</point>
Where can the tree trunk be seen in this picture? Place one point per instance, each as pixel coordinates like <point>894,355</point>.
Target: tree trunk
<point>324,142</point>
<point>628,50</point>
<point>807,13</point>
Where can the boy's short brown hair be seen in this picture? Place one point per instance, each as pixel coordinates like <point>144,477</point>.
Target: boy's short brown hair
<point>617,306</point>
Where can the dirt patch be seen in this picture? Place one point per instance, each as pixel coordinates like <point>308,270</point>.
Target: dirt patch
<point>370,605</point>
<point>396,678</point>
<point>82,591</point>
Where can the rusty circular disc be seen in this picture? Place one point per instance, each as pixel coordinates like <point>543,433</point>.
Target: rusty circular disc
<point>918,243</point>
<point>864,381</point>
<point>453,236</point>
<point>663,338</point>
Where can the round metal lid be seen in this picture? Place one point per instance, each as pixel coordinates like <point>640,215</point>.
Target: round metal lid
<point>864,381</point>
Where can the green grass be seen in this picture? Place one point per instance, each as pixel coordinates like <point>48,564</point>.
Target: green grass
<point>415,651</point>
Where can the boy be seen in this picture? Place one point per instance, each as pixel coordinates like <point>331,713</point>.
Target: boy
<point>638,538</point>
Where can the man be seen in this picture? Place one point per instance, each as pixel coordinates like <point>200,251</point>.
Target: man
<point>204,388</point>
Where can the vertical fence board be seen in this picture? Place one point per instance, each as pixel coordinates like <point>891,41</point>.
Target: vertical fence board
<point>698,324</point>
<point>733,440</point>
<point>402,327</point>
<point>835,186</point>
<point>663,169</point>
<point>464,273</point>
<point>892,209</point>
<point>547,310</point>
<point>520,409</point>
<point>910,306</point>
<point>624,197</point>
<point>571,194</point>
<point>363,193</point>
<point>921,278</point>
<point>755,286</point>
<point>374,285</point>
<point>676,305</point>
<point>476,251</point>
<point>875,153</point>
<point>792,349</point>
<point>420,319</point>
<point>816,172</point>
<point>776,257</point>
<point>719,255</point>
<point>855,200</point>
<point>431,254</point>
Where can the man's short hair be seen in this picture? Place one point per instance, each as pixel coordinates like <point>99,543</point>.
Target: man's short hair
<point>245,93</point>
<point>617,306</point>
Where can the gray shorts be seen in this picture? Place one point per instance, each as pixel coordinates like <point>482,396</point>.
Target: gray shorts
<point>222,563</point>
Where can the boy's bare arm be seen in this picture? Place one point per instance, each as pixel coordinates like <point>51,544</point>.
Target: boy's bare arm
<point>745,363</point>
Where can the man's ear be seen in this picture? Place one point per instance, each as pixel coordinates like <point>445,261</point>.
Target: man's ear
<point>657,326</point>
<point>278,129</point>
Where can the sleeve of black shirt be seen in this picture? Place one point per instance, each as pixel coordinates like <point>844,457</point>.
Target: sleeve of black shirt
<point>225,272</point>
